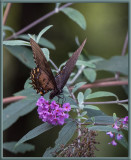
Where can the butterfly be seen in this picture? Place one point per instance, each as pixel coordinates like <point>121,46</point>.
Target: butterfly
<point>42,77</point>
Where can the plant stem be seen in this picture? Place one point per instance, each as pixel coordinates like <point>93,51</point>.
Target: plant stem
<point>6,13</point>
<point>103,84</point>
<point>38,21</point>
<point>12,99</point>
<point>108,102</point>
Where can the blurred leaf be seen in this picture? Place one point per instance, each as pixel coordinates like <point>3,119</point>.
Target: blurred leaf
<point>35,132</point>
<point>24,54</point>
<point>15,110</point>
<point>27,84</point>
<point>77,86</point>
<point>8,29</point>
<point>65,135</point>
<point>90,74</point>
<point>101,94</point>
<point>91,107</point>
<point>43,42</point>
<point>83,113</point>
<point>76,16</point>
<point>104,120</point>
<point>124,105</point>
<point>16,42</point>
<point>114,116</point>
<point>104,128</point>
<point>57,5</point>
<point>85,63</point>
<point>124,142</point>
<point>114,64</point>
<point>80,98</point>
<point>42,32</point>
<point>10,146</point>
<point>93,112</point>
<point>46,53</point>
<point>87,92</point>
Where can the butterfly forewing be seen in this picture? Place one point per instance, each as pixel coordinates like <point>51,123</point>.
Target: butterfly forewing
<point>64,74</point>
<point>42,76</point>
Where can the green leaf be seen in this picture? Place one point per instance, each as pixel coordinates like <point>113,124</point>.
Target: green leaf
<point>46,53</point>
<point>15,110</point>
<point>90,74</point>
<point>104,120</point>
<point>85,63</point>
<point>10,146</point>
<point>93,112</point>
<point>77,86</point>
<point>76,16</point>
<point>114,64</point>
<point>8,29</point>
<point>42,32</point>
<point>114,116</point>
<point>27,84</point>
<point>101,94</point>
<point>65,135</point>
<point>124,105</point>
<point>87,92</point>
<point>24,54</point>
<point>16,43</point>
<point>123,142</point>
<point>103,128</point>
<point>80,98</point>
<point>83,113</point>
<point>43,42</point>
<point>35,132</point>
<point>91,107</point>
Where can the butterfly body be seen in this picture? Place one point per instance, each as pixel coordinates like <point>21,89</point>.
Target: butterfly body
<point>42,77</point>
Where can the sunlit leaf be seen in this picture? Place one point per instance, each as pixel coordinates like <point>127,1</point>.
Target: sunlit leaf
<point>77,86</point>
<point>16,43</point>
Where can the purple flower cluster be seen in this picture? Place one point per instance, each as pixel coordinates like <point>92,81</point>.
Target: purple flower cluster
<point>52,113</point>
<point>123,123</point>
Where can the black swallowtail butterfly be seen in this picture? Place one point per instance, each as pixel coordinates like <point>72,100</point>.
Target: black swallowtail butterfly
<point>42,77</point>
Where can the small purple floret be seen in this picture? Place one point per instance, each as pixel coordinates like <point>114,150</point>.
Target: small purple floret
<point>110,133</point>
<point>113,143</point>
<point>52,113</point>
<point>119,136</point>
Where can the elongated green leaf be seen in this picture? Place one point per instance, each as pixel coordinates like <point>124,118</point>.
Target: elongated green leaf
<point>104,128</point>
<point>115,64</point>
<point>91,107</point>
<point>16,43</point>
<point>100,94</point>
<point>35,132</point>
<point>104,120</point>
<point>42,32</point>
<point>10,146</point>
<point>93,112</point>
<point>124,105</point>
<point>90,74</point>
<point>43,42</point>
<point>23,54</point>
<point>46,53</point>
<point>76,16</point>
<point>77,86</point>
<point>8,29</point>
<point>80,98</point>
<point>87,92</point>
<point>85,63</point>
<point>65,135</point>
<point>15,110</point>
<point>27,84</point>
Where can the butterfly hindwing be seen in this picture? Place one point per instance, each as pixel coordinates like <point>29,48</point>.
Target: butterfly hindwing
<point>42,76</point>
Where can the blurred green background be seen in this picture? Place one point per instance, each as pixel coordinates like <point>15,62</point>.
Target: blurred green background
<point>107,26</point>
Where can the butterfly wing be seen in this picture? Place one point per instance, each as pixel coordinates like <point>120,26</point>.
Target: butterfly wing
<point>64,74</point>
<point>41,76</point>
